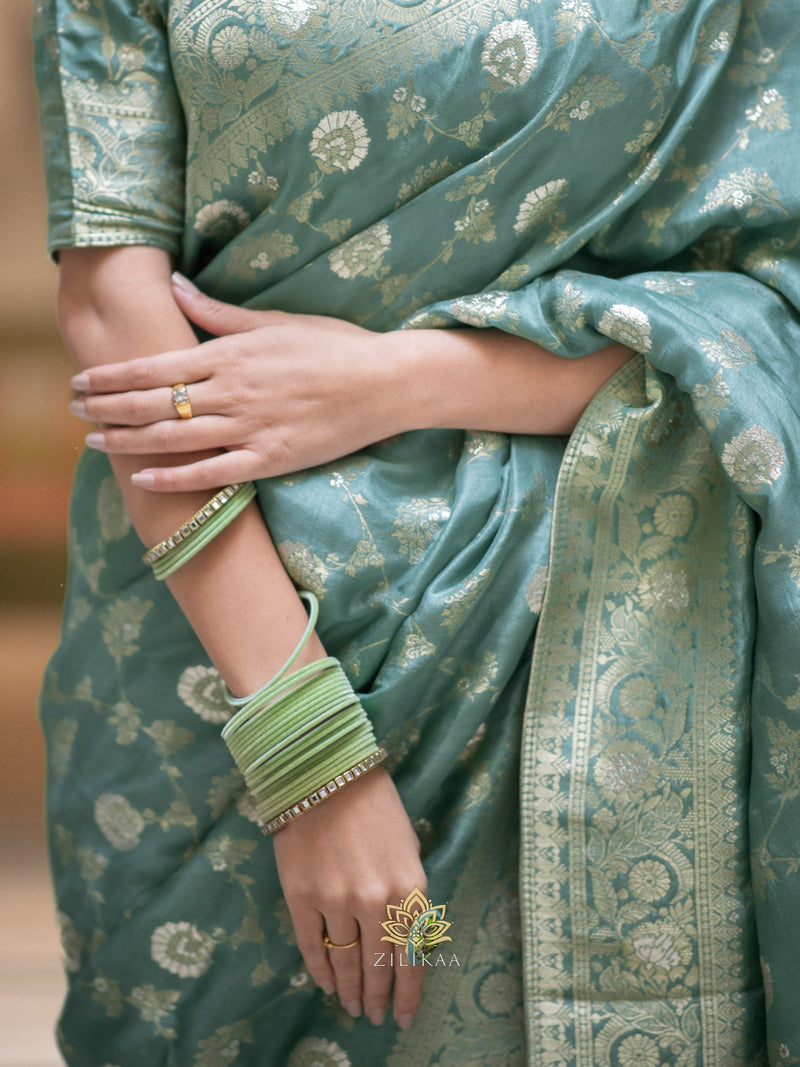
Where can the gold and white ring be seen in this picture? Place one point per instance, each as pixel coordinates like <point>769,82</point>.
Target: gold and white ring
<point>180,400</point>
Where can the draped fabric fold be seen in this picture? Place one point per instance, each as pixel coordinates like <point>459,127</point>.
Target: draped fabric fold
<point>570,171</point>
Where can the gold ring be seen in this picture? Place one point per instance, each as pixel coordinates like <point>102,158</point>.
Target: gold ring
<point>180,400</point>
<point>326,941</point>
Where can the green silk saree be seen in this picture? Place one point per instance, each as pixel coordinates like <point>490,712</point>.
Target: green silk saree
<point>582,655</point>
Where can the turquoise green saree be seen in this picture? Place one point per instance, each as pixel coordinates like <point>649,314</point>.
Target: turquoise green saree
<point>582,655</point>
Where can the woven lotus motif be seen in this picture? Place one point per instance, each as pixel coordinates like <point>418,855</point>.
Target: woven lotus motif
<point>417,925</point>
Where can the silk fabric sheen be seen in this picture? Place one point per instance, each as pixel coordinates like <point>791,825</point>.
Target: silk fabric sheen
<point>568,172</point>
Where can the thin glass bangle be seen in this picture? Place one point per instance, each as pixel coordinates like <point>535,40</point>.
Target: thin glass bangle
<point>313,615</point>
<point>309,802</point>
<point>188,548</point>
<point>268,813</point>
<point>298,730</point>
<point>188,529</point>
<point>276,799</point>
<point>284,794</point>
<point>259,747</point>
<point>340,741</point>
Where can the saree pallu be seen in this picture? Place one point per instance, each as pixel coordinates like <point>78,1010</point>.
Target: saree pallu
<point>629,800</point>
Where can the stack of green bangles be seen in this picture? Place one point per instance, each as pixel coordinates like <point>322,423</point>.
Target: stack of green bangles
<point>301,737</point>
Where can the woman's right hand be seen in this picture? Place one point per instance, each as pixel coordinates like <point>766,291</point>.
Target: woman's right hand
<point>339,866</point>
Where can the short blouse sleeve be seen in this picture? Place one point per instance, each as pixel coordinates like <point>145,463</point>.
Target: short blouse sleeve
<point>112,126</point>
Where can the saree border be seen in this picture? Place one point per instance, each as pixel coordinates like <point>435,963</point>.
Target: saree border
<point>703,1009</point>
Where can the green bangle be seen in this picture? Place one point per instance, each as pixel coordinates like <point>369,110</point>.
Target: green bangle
<point>270,744</point>
<point>313,615</point>
<point>322,792</point>
<point>215,521</point>
<point>192,525</point>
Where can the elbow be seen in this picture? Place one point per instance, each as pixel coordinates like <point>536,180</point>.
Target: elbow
<point>80,321</point>
<point>84,321</point>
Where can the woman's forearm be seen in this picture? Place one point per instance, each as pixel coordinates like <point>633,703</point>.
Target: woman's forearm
<point>286,392</point>
<point>490,380</point>
<point>115,305</point>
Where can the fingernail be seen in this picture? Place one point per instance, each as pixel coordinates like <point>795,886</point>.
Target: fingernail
<point>327,987</point>
<point>80,382</point>
<point>404,1021</point>
<point>147,481</point>
<point>354,1007</point>
<point>77,407</point>
<point>96,440</point>
<point>377,1015</point>
<point>183,283</point>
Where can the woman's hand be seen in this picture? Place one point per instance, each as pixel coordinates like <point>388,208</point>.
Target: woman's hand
<point>284,392</point>
<point>339,866</point>
<point>278,392</point>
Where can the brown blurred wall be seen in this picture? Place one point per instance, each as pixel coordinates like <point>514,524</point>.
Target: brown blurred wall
<point>38,439</point>
<point>38,445</point>
<point>28,281</point>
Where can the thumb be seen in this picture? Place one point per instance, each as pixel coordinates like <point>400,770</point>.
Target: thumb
<point>214,316</point>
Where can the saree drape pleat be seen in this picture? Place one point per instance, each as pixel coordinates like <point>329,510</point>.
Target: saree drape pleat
<point>628,799</point>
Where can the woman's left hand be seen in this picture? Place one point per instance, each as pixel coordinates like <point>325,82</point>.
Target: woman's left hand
<point>278,392</point>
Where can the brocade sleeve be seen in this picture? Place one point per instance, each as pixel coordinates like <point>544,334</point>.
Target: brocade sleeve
<point>112,125</point>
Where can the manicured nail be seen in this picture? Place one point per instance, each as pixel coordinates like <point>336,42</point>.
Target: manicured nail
<point>327,987</point>
<point>146,481</point>
<point>183,283</point>
<point>96,440</point>
<point>77,407</point>
<point>377,1015</point>
<point>80,382</point>
<point>354,1007</point>
<point>404,1021</point>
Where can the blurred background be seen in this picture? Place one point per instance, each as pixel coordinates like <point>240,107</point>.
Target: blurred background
<point>38,445</point>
